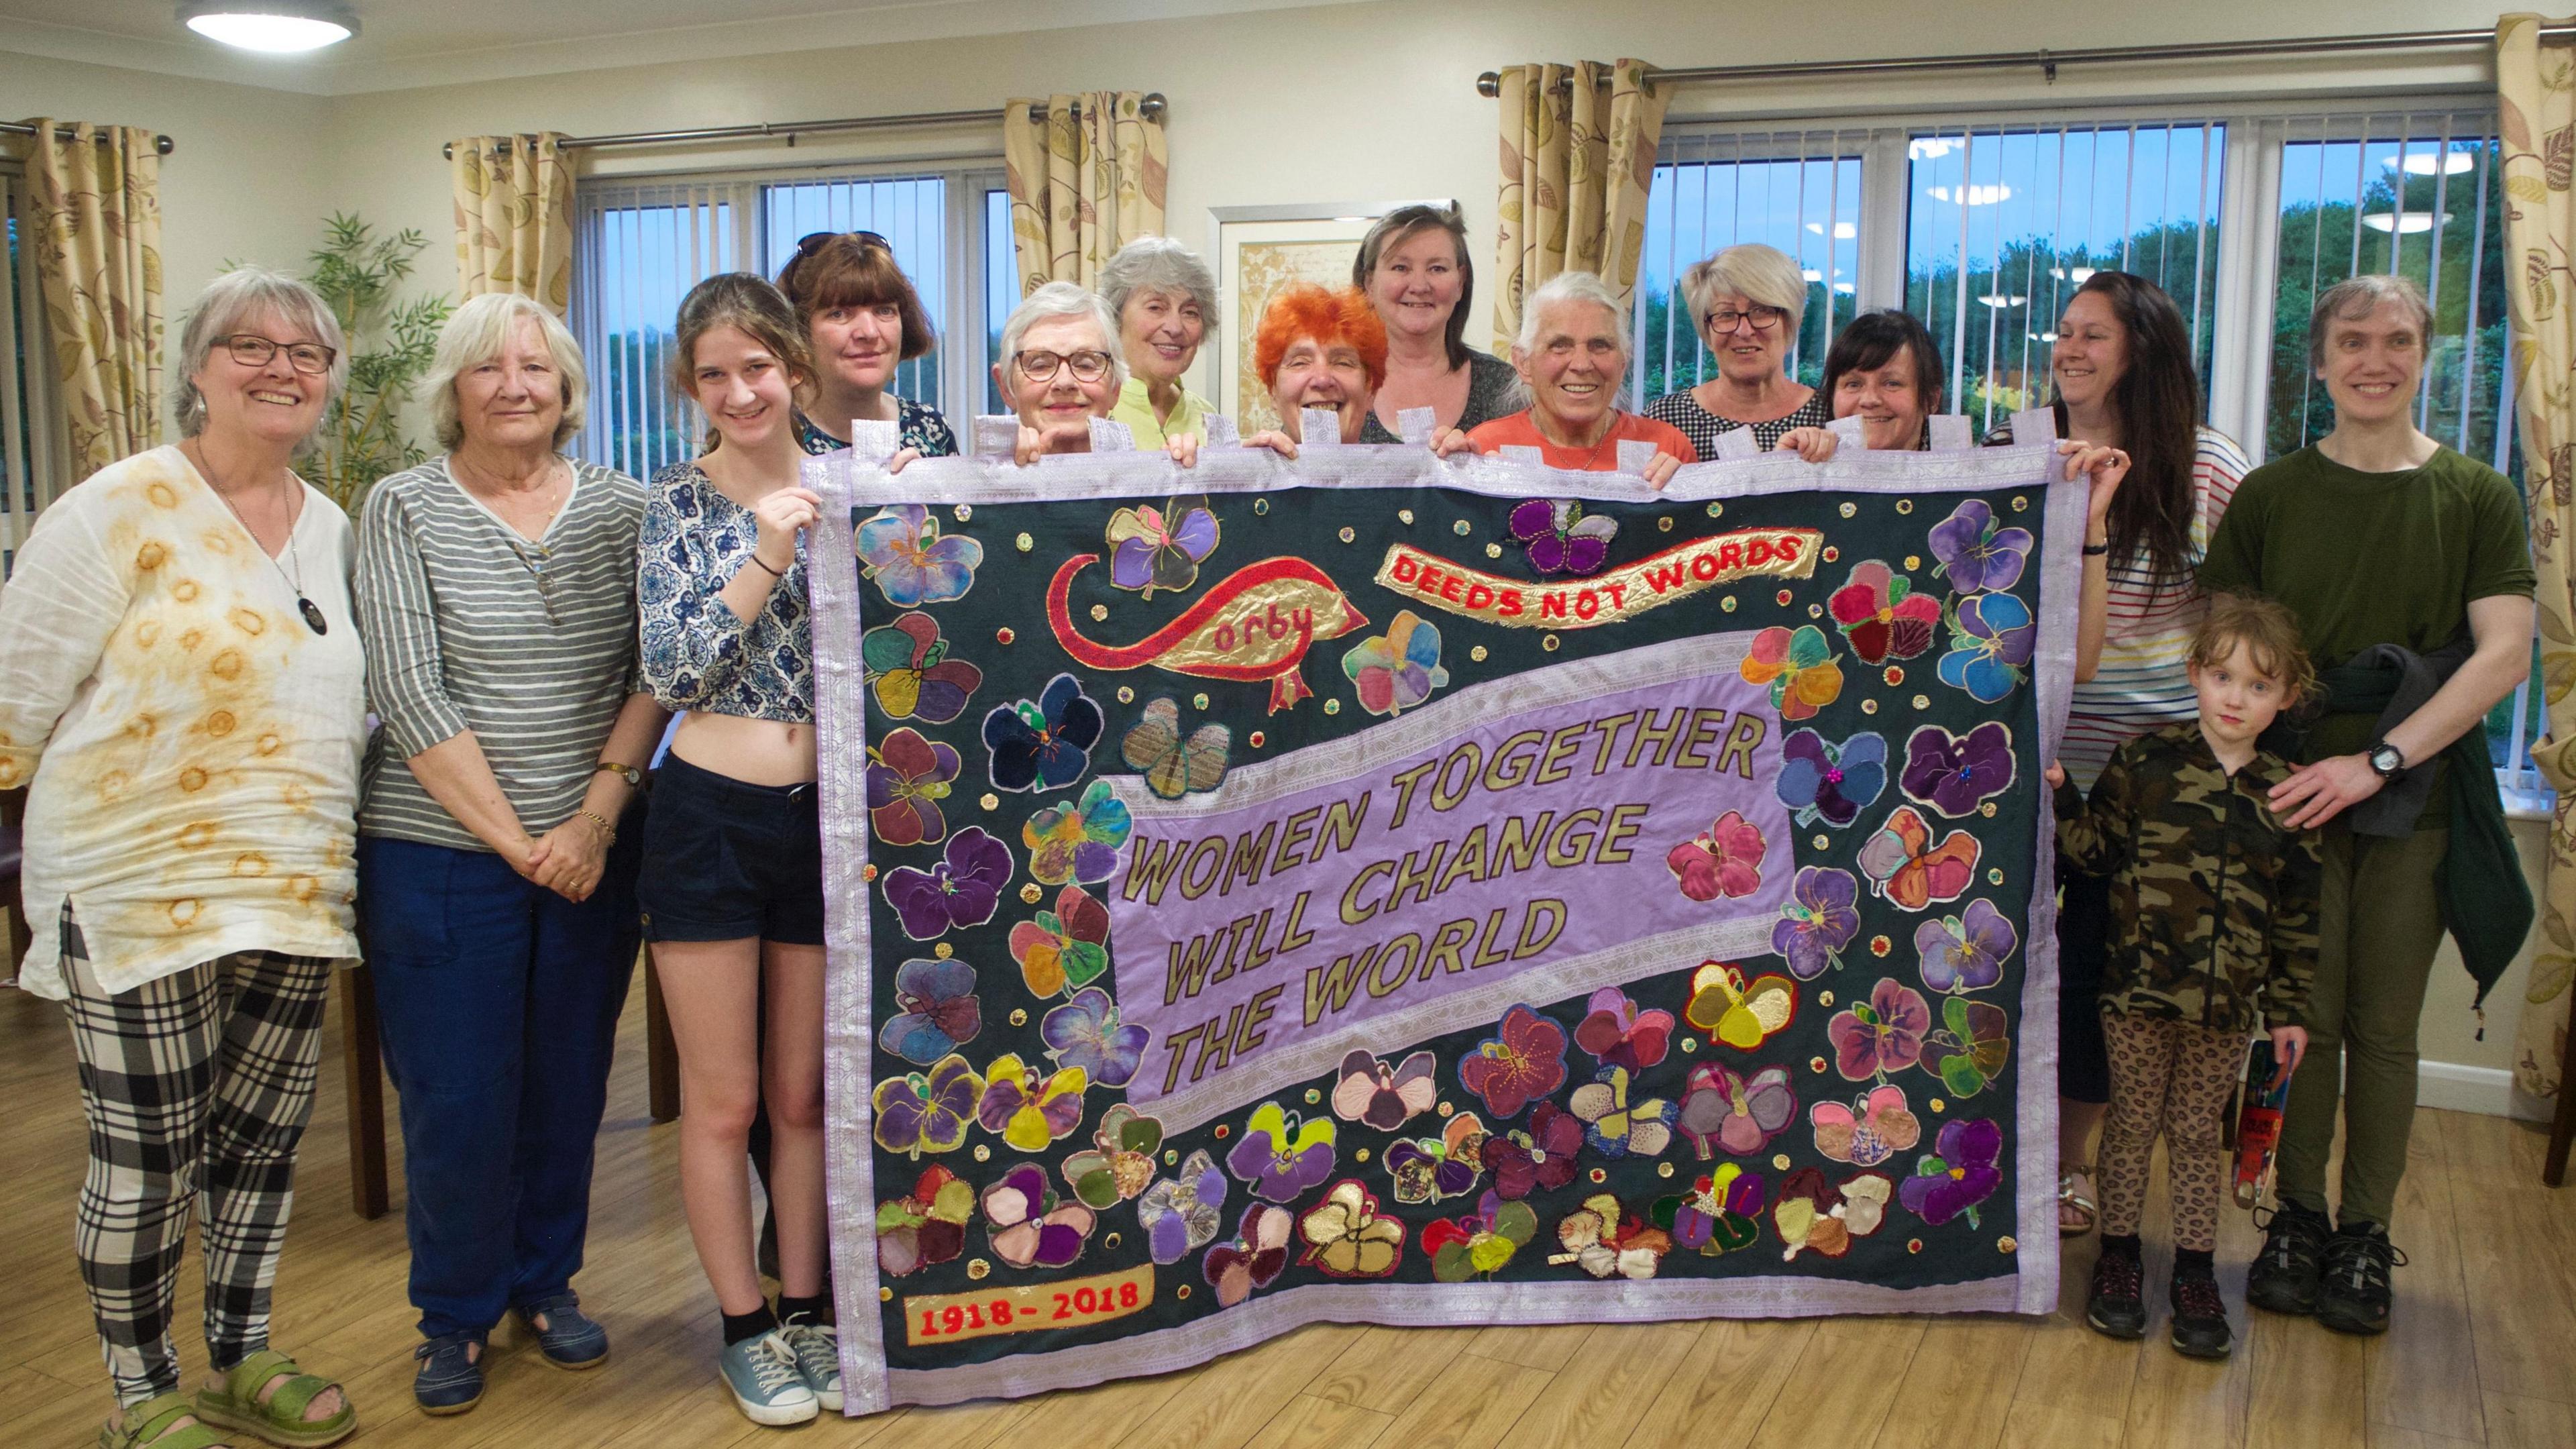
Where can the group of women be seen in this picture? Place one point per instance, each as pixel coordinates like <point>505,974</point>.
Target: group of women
<point>194,640</point>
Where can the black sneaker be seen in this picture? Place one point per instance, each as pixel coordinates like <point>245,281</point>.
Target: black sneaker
<point>2283,1278</point>
<point>2116,1304</point>
<point>2353,1295</point>
<point>2199,1318</point>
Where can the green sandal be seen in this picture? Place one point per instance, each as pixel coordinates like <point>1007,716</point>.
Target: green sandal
<point>147,1426</point>
<point>237,1404</point>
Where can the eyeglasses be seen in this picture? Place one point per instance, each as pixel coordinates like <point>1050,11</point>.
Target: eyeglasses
<point>1726,319</point>
<point>252,350</point>
<point>1088,366</point>
<point>812,242</point>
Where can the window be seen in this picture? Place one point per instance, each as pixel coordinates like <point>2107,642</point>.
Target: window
<point>29,425</point>
<point>643,245</point>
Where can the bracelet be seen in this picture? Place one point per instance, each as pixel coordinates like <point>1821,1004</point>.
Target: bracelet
<point>599,822</point>
<point>2096,550</point>
<point>773,573</point>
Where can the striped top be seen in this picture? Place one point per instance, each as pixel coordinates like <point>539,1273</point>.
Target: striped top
<point>2141,686</point>
<point>470,626</point>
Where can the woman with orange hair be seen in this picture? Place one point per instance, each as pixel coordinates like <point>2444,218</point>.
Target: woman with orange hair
<point>1320,349</point>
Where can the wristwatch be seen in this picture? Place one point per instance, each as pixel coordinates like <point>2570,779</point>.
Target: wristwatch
<point>632,776</point>
<point>2386,760</point>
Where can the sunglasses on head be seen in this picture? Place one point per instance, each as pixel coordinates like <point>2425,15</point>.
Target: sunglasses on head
<point>813,242</point>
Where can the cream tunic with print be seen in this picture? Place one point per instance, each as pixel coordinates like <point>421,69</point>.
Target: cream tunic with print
<point>191,747</point>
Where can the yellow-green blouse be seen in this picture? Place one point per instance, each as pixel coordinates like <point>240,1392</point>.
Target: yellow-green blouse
<point>1137,412</point>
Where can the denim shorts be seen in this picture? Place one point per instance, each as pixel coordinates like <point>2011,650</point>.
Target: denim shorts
<point>724,859</point>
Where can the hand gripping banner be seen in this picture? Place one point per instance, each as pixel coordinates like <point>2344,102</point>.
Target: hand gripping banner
<point>1374,889</point>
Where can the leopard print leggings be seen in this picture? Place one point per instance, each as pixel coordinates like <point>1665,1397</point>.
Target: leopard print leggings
<point>2174,1077</point>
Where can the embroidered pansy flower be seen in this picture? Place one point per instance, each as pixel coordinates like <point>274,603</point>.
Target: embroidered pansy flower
<point>1522,1061</point>
<point>1966,952</point>
<point>1820,919</point>
<point>1398,669</point>
<point>1971,1047</point>
<point>1561,538</point>
<point>1905,868</point>
<point>1990,642</point>
<point>1956,1175</point>
<point>1383,1095</point>
<point>1832,783</point>
<point>1077,842</point>
<point>1120,1161</point>
<point>962,890</point>
<point>1799,666</point>
<point>1462,1248</point>
<point>1161,548</point>
<point>1872,1128</point>
<point>1955,773</point>
<point>1045,742</point>
<point>1724,860</point>
<point>1725,1109</point>
<point>1281,1155</point>
<point>908,667</point>
<point>901,550</point>
<point>1743,1014</point>
<point>1976,555</point>
<point>940,1010</point>
<point>1181,1215</point>
<point>1253,1259</point>
<point>925,1227</point>
<point>1085,1034</point>
<point>1068,946</point>
<point>1433,1169</point>
<point>1538,1160</point>
<point>1617,1126</point>
<point>1815,1216</point>
<point>918,1112</point>
<point>1881,615</point>
<point>1029,1109</point>
<point>1030,1226</point>
<point>1722,1213</point>
<point>1881,1035</point>
<point>1619,1035</point>
<point>1346,1238</point>
<point>1605,1240</point>
<point>907,777</point>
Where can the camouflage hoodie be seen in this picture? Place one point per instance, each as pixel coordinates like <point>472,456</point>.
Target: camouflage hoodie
<point>2213,900</point>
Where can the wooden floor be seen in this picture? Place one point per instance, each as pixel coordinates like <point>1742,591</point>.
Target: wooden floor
<point>2484,1351</point>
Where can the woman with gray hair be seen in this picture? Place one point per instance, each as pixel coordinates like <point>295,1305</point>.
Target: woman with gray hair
<point>1164,301</point>
<point>499,840</point>
<point>1571,354</point>
<point>183,697</point>
<point>1748,302</point>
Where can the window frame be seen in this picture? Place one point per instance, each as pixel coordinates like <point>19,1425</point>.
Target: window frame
<point>34,429</point>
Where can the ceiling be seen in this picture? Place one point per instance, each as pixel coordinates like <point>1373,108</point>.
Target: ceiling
<point>439,42</point>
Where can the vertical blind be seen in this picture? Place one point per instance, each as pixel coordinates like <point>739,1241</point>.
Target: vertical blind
<point>28,422</point>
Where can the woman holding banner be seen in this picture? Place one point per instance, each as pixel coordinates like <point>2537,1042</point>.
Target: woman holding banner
<point>1320,349</point>
<point>1414,269</point>
<point>1886,371</point>
<point>1163,299</point>
<point>1571,354</point>
<point>1748,302</point>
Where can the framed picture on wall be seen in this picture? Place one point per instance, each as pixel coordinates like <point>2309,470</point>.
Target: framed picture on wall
<point>1258,250</point>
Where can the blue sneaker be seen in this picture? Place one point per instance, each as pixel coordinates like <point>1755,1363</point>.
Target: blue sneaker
<point>571,1339</point>
<point>818,1357</point>
<point>449,1381</point>
<point>766,1382</point>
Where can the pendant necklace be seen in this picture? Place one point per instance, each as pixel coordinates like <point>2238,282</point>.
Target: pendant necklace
<point>311,611</point>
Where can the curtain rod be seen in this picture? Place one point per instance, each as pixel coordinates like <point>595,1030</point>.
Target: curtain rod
<point>161,144</point>
<point>1151,107</point>
<point>2047,61</point>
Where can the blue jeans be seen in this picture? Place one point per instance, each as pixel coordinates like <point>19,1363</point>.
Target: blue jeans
<point>498,1001</point>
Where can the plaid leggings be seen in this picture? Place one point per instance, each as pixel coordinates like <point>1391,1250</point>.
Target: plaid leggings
<point>2173,1077</point>
<point>198,1081</point>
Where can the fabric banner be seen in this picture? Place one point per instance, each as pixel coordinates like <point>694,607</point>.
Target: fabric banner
<point>1377,889</point>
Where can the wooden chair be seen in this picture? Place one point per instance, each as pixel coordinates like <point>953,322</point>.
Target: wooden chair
<point>13,815</point>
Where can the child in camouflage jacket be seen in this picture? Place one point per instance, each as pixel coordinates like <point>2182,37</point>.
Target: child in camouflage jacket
<point>2214,936</point>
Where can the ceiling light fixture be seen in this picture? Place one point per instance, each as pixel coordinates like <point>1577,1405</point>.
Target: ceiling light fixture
<point>2410,224</point>
<point>1973,194</point>
<point>2426,163</point>
<point>279,27</point>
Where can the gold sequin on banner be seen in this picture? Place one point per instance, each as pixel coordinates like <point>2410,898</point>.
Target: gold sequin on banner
<point>1257,739</point>
<point>868,871</point>
<point>990,801</point>
<point>1493,550</point>
<point>1170,1157</point>
<point>1849,510</point>
<point>1815,1064</point>
<point>1349,533</point>
<point>983,1153</point>
<point>1717,510</point>
<point>1905,505</point>
<point>1824,998</point>
<point>1313,1096</point>
<point>1912,560</point>
<point>1937,1105</point>
<point>1824,842</point>
<point>2020,503</point>
<point>1020,1017</point>
<point>1182,1292</point>
<point>1004,635</point>
<point>1600,1175</point>
<point>1880,945</point>
<point>1663,1169</point>
<point>1099,612</point>
<point>1922,701</point>
<point>1477,653</point>
<point>1815,611</point>
<point>1110,1241</point>
<point>1024,543</point>
<point>1447,1109</point>
<point>1030,894</point>
<point>1912,1245</point>
<point>963,511</point>
<point>1994,877</point>
<point>1404,516</point>
<point>1360,1156</point>
<point>1126,695</point>
<point>1198,701</point>
<point>1462,528</point>
<point>1727,603</point>
<point>977,1268</point>
<point>1987,810</point>
<point>1664,524</point>
<point>1894,676</point>
<point>943,950</point>
<point>1690,1043</point>
<point>1780,1160</point>
<point>1332,706</point>
<point>1832,554</point>
<point>884,1294</point>
<point>1261,505</point>
<point>2006,1244</point>
<point>1551,643</point>
<point>1869,706</point>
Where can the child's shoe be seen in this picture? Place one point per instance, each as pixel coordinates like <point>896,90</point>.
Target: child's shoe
<point>2199,1317</point>
<point>2116,1303</point>
<point>2283,1278</point>
<point>766,1382</point>
<point>2353,1293</point>
<point>818,1357</point>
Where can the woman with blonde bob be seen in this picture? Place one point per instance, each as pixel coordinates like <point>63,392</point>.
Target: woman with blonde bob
<point>498,843</point>
<point>183,698</point>
<point>1748,302</point>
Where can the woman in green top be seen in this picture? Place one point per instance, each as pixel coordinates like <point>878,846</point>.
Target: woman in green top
<point>2376,535</point>
<point>1165,301</point>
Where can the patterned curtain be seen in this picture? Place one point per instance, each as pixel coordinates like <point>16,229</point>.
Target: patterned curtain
<point>1578,158</point>
<point>1084,180</point>
<point>2536,87</point>
<point>513,217</point>
<point>97,237</point>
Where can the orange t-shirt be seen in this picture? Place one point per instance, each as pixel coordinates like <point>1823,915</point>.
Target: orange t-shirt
<point>1518,430</point>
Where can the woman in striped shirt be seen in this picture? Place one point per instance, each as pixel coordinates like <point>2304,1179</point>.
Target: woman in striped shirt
<point>2123,369</point>
<point>498,841</point>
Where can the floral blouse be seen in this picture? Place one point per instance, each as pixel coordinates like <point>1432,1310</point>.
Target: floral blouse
<point>696,654</point>
<point>922,428</point>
